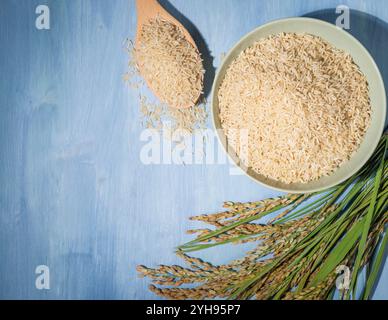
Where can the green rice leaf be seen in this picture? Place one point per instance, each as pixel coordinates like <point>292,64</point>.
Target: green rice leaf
<point>339,252</point>
<point>367,223</point>
<point>376,266</point>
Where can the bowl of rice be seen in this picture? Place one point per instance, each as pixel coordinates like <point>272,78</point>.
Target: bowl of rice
<point>299,105</point>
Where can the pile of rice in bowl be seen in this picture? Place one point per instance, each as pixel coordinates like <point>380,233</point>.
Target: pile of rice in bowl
<point>304,104</point>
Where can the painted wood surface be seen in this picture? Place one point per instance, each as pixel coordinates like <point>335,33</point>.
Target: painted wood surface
<point>74,194</point>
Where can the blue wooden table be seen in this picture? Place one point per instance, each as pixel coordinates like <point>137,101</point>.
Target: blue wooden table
<point>74,194</point>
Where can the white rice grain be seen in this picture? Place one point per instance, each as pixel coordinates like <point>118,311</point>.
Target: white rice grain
<point>170,64</point>
<point>305,103</point>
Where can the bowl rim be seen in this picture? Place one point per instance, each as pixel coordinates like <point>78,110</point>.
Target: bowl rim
<point>375,143</point>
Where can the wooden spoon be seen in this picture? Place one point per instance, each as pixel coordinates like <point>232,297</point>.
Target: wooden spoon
<point>150,9</point>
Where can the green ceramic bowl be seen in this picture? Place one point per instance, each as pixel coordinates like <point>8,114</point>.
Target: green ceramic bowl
<point>339,39</point>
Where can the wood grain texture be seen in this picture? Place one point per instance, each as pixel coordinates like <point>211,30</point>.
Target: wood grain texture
<point>75,195</point>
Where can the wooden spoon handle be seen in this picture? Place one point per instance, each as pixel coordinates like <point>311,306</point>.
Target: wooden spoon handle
<point>147,9</point>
